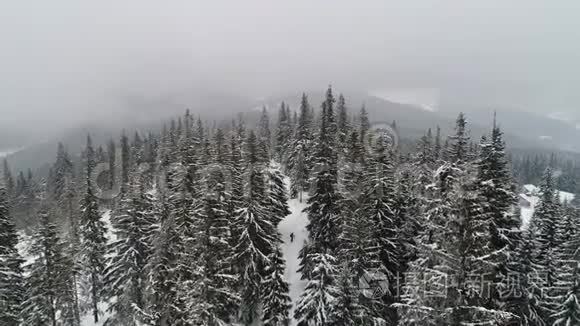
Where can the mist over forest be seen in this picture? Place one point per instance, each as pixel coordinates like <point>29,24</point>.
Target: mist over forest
<point>326,163</point>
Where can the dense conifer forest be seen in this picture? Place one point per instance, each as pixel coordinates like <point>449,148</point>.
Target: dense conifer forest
<point>181,227</point>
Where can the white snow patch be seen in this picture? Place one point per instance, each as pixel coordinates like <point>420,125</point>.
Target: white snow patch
<point>566,197</point>
<point>545,137</point>
<point>88,319</point>
<point>106,216</point>
<point>23,246</point>
<point>426,98</point>
<point>560,116</point>
<point>531,189</point>
<point>532,194</point>
<point>294,223</point>
<point>6,152</point>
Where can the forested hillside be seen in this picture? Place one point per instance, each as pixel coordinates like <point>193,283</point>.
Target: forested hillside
<point>200,224</point>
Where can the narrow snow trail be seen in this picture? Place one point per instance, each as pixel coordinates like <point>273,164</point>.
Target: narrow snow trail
<point>294,223</point>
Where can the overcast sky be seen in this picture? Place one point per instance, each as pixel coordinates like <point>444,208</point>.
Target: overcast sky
<point>63,61</point>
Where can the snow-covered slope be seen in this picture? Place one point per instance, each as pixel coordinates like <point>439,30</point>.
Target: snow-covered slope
<point>532,197</point>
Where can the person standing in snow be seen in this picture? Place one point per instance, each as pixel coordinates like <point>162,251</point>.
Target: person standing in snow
<point>291,237</point>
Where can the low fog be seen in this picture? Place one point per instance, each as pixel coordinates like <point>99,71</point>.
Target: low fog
<point>68,62</point>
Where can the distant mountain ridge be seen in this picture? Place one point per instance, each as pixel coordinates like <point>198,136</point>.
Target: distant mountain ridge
<point>522,129</point>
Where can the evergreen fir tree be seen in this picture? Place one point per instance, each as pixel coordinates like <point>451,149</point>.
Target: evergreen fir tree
<point>348,312</point>
<point>125,162</point>
<point>124,276</point>
<point>264,133</point>
<point>111,156</point>
<point>545,220</point>
<point>343,124</point>
<point>256,234</point>
<point>61,171</point>
<point>93,240</point>
<point>497,188</point>
<point>48,282</point>
<point>277,196</point>
<point>300,155</point>
<point>323,211</point>
<point>164,305</point>
<point>7,178</point>
<point>11,279</point>
<point>569,311</point>
<point>317,305</point>
<point>212,295</point>
<point>437,146</point>
<point>235,169</point>
<point>365,125</point>
<point>283,134</point>
<point>378,205</point>
<point>519,291</point>
<point>457,150</point>
<point>276,301</point>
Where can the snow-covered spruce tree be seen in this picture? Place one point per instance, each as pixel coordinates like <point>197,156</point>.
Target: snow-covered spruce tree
<point>423,163</point>
<point>49,286</point>
<point>111,159</point>
<point>185,208</point>
<point>256,234</point>
<point>318,304</point>
<point>323,210</point>
<point>125,162</point>
<point>164,306</point>
<point>566,283</point>
<point>283,134</point>
<point>437,146</point>
<point>457,150</point>
<point>264,134</point>
<point>348,311</point>
<point>305,266</point>
<point>545,220</point>
<point>125,277</point>
<point>379,206</point>
<point>69,209</point>
<point>497,188</point>
<point>342,123</point>
<point>355,238</point>
<point>11,279</point>
<point>365,125</point>
<point>211,295</point>
<point>61,171</point>
<point>440,288</point>
<point>299,159</point>
<point>276,302</point>
<point>234,166</point>
<point>277,200</point>
<point>136,150</point>
<point>463,256</point>
<point>93,239</point>
<point>350,174</point>
<point>568,313</point>
<point>408,209</point>
<point>519,290</point>
<point>7,177</point>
